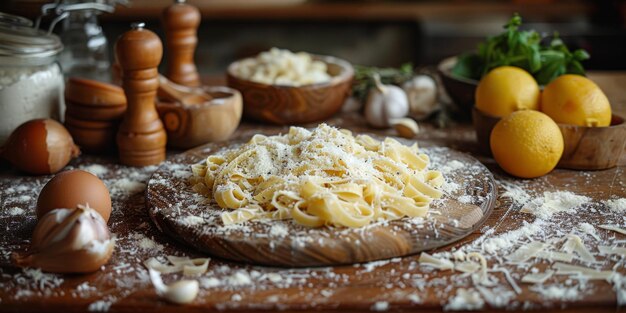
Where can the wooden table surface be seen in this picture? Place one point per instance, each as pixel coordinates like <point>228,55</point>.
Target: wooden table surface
<point>400,284</point>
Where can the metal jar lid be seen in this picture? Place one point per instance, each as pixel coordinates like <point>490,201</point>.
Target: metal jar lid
<point>21,44</point>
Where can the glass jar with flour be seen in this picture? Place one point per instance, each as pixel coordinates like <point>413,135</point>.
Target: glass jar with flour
<point>31,81</point>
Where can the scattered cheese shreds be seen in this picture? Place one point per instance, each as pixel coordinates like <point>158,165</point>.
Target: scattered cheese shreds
<point>467,267</point>
<point>380,306</point>
<point>575,244</point>
<point>509,278</point>
<point>526,252</point>
<point>604,250</point>
<point>589,273</point>
<point>441,264</point>
<point>127,186</point>
<point>616,205</point>
<point>99,306</point>
<point>554,202</point>
<point>481,277</point>
<point>516,193</point>
<point>614,228</point>
<point>556,256</point>
<point>557,292</point>
<point>193,220</point>
<point>96,169</point>
<point>465,299</point>
<point>16,211</point>
<point>589,229</point>
<point>497,298</point>
<point>537,278</point>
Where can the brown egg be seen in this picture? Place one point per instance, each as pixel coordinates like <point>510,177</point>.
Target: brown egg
<point>72,188</point>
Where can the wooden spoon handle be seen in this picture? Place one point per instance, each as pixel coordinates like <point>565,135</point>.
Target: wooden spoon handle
<point>170,91</point>
<point>166,91</point>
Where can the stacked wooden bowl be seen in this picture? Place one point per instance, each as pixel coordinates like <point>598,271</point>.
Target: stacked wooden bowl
<point>93,113</point>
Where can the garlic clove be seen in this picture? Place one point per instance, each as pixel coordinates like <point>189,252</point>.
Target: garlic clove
<point>405,127</point>
<point>422,93</point>
<point>79,261</point>
<point>180,292</point>
<point>69,241</point>
<point>384,103</point>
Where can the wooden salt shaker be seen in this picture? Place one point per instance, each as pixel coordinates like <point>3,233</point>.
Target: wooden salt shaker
<point>180,22</point>
<point>141,137</point>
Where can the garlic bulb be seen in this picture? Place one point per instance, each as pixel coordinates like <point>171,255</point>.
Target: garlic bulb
<point>69,241</point>
<point>180,292</point>
<point>421,91</point>
<point>384,103</point>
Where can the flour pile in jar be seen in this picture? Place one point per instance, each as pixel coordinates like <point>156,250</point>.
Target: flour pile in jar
<point>325,176</point>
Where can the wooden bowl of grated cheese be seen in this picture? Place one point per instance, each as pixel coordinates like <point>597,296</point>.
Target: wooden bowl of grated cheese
<point>279,102</point>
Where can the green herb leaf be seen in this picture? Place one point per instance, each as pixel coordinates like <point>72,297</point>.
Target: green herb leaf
<point>534,59</point>
<point>575,67</point>
<point>524,49</point>
<point>553,66</point>
<point>581,55</point>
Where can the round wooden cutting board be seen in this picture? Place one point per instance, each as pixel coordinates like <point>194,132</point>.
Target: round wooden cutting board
<point>186,216</point>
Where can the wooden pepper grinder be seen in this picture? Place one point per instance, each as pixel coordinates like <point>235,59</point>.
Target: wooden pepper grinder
<point>180,22</point>
<point>141,137</point>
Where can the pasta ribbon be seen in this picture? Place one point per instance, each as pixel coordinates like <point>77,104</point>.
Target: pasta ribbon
<point>318,177</point>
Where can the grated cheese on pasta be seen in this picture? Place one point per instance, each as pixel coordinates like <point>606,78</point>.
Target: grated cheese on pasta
<point>321,177</point>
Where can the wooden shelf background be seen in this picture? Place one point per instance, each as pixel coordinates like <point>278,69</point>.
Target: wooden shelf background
<point>315,10</point>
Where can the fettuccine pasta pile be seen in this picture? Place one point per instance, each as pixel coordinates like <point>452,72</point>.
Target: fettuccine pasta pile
<point>321,177</point>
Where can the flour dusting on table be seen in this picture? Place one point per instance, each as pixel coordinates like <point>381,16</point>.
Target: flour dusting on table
<point>571,256</point>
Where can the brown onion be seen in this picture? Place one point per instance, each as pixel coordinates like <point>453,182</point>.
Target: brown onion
<point>69,241</point>
<point>41,146</point>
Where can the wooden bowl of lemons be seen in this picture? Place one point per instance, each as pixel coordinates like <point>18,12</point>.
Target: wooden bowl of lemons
<point>278,88</point>
<point>593,148</point>
<point>593,137</point>
<point>585,147</point>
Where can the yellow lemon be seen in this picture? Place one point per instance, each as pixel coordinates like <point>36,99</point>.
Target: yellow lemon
<point>576,100</point>
<point>507,89</point>
<point>526,144</point>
